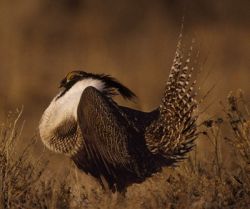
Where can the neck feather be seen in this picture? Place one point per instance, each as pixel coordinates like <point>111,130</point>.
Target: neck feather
<point>65,107</point>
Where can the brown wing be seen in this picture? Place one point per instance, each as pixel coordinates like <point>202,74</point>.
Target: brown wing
<point>106,133</point>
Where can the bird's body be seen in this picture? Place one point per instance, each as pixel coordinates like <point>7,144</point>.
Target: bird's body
<point>115,144</point>
<point>60,118</point>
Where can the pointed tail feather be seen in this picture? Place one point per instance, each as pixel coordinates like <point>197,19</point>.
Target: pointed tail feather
<point>173,133</point>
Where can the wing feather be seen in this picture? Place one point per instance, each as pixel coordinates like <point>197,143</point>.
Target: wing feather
<point>106,133</point>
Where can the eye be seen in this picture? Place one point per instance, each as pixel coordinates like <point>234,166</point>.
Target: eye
<point>71,76</point>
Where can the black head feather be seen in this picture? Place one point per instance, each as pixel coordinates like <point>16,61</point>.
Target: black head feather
<point>116,87</point>
<point>112,86</point>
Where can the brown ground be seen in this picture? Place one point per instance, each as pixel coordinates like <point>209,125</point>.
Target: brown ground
<point>41,41</point>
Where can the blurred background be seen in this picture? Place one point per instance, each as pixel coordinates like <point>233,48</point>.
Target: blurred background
<point>134,41</point>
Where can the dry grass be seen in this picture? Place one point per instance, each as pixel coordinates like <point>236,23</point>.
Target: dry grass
<point>20,180</point>
<point>133,41</point>
<point>221,180</point>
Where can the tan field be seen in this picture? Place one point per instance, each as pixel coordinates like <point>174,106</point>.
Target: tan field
<point>41,40</point>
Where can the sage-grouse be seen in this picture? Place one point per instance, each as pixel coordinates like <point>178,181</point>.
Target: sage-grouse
<point>116,144</point>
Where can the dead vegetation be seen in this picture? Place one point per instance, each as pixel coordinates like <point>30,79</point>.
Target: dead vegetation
<point>221,180</point>
<point>20,185</point>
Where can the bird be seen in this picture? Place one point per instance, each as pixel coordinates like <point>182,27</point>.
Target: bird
<point>118,145</point>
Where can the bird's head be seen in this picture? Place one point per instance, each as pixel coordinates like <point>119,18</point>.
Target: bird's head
<point>71,78</point>
<point>110,84</point>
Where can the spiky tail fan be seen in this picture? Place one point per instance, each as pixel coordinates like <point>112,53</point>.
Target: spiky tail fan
<point>173,133</point>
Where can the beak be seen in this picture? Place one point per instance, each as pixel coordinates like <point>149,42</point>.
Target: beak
<point>62,83</point>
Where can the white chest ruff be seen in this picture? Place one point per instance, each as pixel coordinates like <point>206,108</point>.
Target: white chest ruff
<point>64,107</point>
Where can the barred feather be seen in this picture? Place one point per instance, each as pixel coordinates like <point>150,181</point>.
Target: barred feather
<point>173,133</point>
<point>108,140</point>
